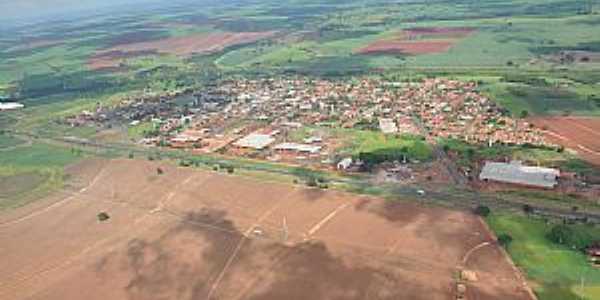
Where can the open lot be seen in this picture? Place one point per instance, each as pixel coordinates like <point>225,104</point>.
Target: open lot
<point>198,235</point>
<point>580,134</point>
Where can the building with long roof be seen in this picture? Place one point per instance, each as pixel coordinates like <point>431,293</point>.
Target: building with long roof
<point>516,173</point>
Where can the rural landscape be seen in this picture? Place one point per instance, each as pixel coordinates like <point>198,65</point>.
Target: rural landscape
<point>260,149</point>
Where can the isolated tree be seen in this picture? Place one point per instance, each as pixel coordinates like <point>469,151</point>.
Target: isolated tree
<point>482,210</point>
<point>470,153</point>
<point>504,239</point>
<point>103,216</point>
<point>528,209</point>
<point>524,114</point>
<point>159,171</point>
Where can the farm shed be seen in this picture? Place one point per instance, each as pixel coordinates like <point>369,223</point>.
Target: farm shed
<point>516,173</point>
<point>10,106</point>
<point>345,163</point>
<point>255,141</point>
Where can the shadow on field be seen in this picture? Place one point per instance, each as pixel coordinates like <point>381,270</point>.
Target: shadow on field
<point>310,271</point>
<point>184,262</point>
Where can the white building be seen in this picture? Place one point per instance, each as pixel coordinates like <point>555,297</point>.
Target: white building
<point>345,163</point>
<point>516,173</point>
<point>10,106</point>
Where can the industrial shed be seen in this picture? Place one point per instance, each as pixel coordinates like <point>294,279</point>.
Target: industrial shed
<point>516,173</point>
<point>255,141</point>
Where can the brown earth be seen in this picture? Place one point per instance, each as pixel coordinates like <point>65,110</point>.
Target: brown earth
<point>407,47</point>
<point>188,234</point>
<point>577,133</point>
<point>417,41</point>
<point>180,46</point>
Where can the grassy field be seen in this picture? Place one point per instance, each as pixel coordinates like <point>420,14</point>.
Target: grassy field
<point>365,141</point>
<point>7,141</point>
<point>31,172</point>
<point>555,272</point>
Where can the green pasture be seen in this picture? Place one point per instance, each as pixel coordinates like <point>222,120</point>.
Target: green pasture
<point>29,173</point>
<point>364,141</point>
<point>555,272</point>
<point>7,141</point>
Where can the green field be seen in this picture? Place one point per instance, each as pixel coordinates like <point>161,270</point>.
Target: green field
<point>555,272</point>
<point>7,141</point>
<point>366,141</point>
<point>29,173</point>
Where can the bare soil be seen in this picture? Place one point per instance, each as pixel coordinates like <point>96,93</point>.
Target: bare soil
<point>180,46</point>
<point>188,234</point>
<point>579,134</point>
<point>416,41</point>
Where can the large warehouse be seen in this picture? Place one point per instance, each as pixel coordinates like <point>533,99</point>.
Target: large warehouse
<point>516,173</point>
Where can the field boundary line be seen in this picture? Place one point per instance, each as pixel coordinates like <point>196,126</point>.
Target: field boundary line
<point>585,128</point>
<point>161,203</point>
<point>327,218</point>
<point>55,204</point>
<point>588,150</point>
<point>242,240</point>
<point>468,254</point>
<point>215,285</point>
<point>509,260</point>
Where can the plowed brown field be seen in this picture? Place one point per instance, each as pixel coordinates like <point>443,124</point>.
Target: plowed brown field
<point>188,234</point>
<point>417,41</point>
<point>579,134</point>
<point>181,46</point>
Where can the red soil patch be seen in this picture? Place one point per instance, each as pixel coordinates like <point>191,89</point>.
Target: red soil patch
<point>579,134</point>
<point>202,235</point>
<point>413,48</point>
<point>180,46</point>
<point>113,59</point>
<point>417,41</point>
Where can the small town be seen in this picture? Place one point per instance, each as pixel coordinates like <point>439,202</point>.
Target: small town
<point>311,150</point>
<point>247,111</point>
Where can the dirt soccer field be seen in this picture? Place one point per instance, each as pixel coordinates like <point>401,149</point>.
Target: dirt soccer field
<point>188,234</point>
<point>579,134</point>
